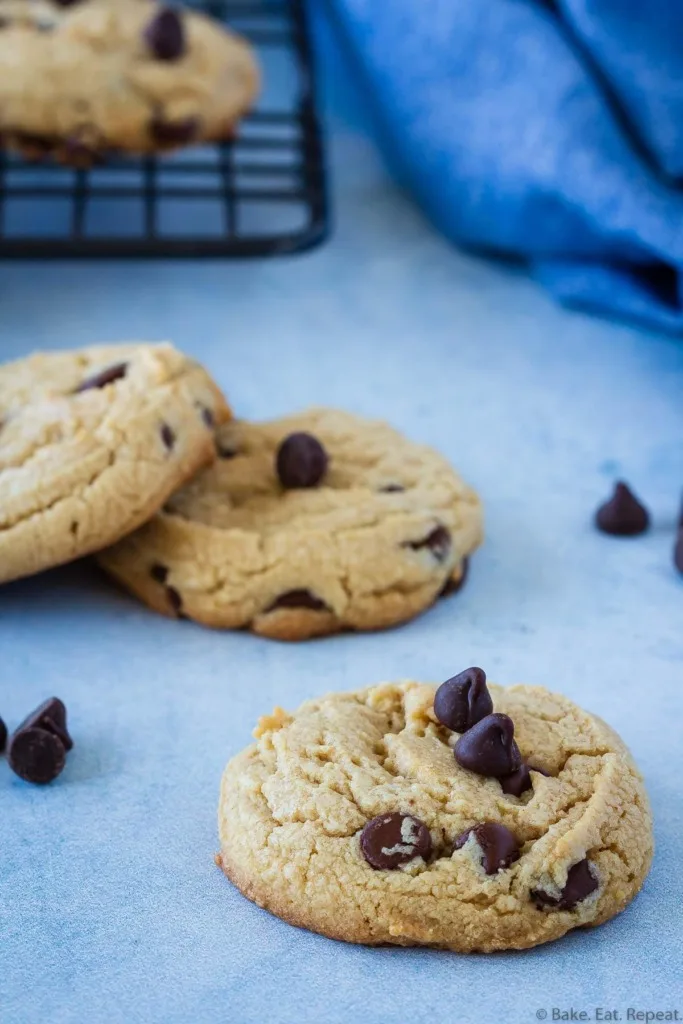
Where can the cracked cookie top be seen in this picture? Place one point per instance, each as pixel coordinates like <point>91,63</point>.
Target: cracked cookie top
<point>92,443</point>
<point>355,817</point>
<point>87,77</point>
<point>304,526</point>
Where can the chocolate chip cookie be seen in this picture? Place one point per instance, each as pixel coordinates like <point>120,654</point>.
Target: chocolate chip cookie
<point>367,817</point>
<point>84,78</point>
<point>306,526</point>
<point>91,445</point>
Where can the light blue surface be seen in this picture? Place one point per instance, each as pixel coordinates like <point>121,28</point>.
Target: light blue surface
<point>111,908</point>
<point>524,126</point>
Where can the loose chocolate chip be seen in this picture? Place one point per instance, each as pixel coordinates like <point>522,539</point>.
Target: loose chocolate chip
<point>519,781</point>
<point>165,35</point>
<point>175,600</point>
<point>225,452</point>
<point>298,599</point>
<point>104,377</point>
<point>167,436</point>
<point>499,846</point>
<point>452,586</point>
<point>391,489</point>
<point>678,551</point>
<point>623,515</point>
<point>438,542</point>
<point>390,840</point>
<point>50,716</point>
<point>173,133</point>
<point>581,882</point>
<point>159,572</point>
<point>489,747</point>
<point>207,416</point>
<point>36,755</point>
<point>301,461</point>
<point>3,736</point>
<point>463,701</point>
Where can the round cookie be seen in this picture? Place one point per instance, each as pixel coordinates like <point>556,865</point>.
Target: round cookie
<point>83,79</point>
<point>386,528</point>
<point>91,445</point>
<point>353,818</point>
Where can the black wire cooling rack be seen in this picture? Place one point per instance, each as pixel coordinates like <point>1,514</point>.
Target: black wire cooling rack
<point>262,194</point>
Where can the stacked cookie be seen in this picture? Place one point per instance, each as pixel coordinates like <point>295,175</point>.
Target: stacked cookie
<point>295,528</point>
<point>83,78</point>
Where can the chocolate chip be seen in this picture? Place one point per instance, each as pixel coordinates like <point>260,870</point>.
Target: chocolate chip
<point>581,882</point>
<point>167,436</point>
<point>499,846</point>
<point>104,377</point>
<point>489,748</point>
<point>175,600</point>
<point>67,3</point>
<point>298,599</point>
<point>678,551</point>
<point>390,840</point>
<point>438,542</point>
<point>36,755</point>
<point>3,736</point>
<point>165,35</point>
<point>623,515</point>
<point>37,145</point>
<point>223,451</point>
<point>50,716</point>
<point>207,416</point>
<point>391,489</point>
<point>520,780</point>
<point>173,133</point>
<point>452,586</point>
<point>301,461</point>
<point>463,701</point>
<point>159,572</point>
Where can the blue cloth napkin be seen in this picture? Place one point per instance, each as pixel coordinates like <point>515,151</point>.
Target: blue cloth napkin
<point>548,131</point>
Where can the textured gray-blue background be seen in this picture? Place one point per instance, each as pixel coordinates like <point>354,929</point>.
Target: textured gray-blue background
<point>111,908</point>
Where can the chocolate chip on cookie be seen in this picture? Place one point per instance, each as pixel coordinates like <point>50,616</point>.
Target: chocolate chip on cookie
<point>165,34</point>
<point>175,601</point>
<point>173,133</point>
<point>159,572</point>
<point>498,845</point>
<point>298,599</point>
<point>167,436</point>
<point>581,882</point>
<point>301,461</point>
<point>3,736</point>
<point>392,489</point>
<point>489,747</point>
<point>452,586</point>
<point>390,840</point>
<point>463,701</point>
<point>519,781</point>
<point>224,451</point>
<point>104,377</point>
<point>623,515</point>
<point>37,749</point>
<point>438,541</point>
